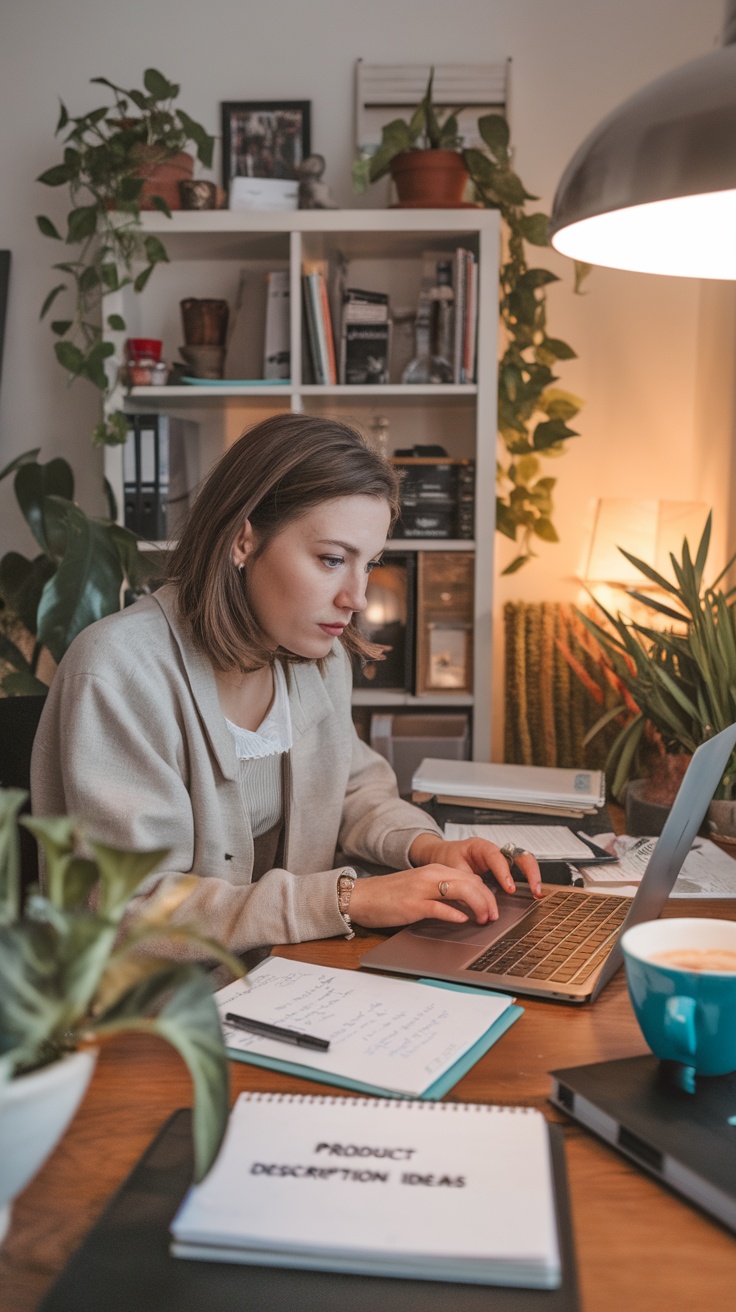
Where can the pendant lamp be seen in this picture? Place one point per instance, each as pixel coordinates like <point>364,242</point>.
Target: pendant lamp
<point>653,188</point>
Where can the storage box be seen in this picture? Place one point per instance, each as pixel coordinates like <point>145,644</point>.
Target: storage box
<point>406,739</point>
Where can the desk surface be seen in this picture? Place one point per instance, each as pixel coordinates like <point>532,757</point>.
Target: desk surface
<point>638,1246</point>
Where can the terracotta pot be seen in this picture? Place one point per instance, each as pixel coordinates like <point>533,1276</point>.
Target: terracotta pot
<point>429,179</point>
<point>163,177</point>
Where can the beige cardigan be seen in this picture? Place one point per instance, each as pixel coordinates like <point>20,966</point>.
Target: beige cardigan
<point>132,741</point>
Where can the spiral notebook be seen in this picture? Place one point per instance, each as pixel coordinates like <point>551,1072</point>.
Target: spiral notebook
<point>425,1191</point>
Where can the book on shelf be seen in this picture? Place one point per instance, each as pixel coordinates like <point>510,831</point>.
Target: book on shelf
<point>460,1192</point>
<point>465,274</point>
<point>319,327</point>
<point>276,338</point>
<point>365,337</point>
<point>444,1030</point>
<point>159,469</point>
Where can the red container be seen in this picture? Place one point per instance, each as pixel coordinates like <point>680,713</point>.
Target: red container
<point>143,348</point>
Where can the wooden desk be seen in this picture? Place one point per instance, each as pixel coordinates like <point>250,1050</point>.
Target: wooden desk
<point>638,1246</point>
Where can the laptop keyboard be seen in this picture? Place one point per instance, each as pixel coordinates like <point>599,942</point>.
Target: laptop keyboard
<point>569,936</point>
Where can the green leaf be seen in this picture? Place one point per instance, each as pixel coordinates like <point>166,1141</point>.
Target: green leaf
<point>196,133</point>
<point>55,177</point>
<point>361,175</point>
<point>116,322</point>
<point>155,250</point>
<point>61,326</point>
<point>535,229</point>
<point>51,298</point>
<point>33,484</point>
<point>582,271</point>
<point>87,583</point>
<point>545,529</point>
<point>189,1022</point>
<point>537,278</point>
<point>142,278</point>
<point>158,86</point>
<point>121,873</point>
<point>70,357</point>
<point>517,563</point>
<point>82,222</point>
<point>494,130</point>
<point>111,432</point>
<point>138,569</point>
<point>550,431</point>
<point>21,583</point>
<point>27,458</point>
<point>63,118</point>
<point>159,203</point>
<point>89,279</point>
<point>47,227</point>
<point>109,274</point>
<point>560,350</point>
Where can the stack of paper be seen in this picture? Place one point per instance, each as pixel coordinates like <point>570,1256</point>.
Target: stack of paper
<point>426,1191</point>
<point>386,1036</point>
<point>511,787</point>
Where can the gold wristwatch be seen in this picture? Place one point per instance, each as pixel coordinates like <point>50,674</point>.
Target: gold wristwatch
<point>345,886</point>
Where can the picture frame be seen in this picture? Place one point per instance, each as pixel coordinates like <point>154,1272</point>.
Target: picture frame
<point>264,138</point>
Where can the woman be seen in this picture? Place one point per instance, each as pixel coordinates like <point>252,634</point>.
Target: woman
<point>213,718</point>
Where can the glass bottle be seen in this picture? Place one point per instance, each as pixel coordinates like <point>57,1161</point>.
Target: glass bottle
<point>380,425</point>
<point>434,332</point>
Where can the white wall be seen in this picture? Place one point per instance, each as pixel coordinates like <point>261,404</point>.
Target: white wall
<point>649,417</point>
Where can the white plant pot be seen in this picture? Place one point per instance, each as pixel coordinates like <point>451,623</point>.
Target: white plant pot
<point>35,1110</point>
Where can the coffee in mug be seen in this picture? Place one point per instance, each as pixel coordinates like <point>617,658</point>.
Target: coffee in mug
<point>698,959</point>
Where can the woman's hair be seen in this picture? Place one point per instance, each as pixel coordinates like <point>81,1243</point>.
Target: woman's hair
<point>273,474</point>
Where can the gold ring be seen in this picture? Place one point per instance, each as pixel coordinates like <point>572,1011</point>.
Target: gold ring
<point>443,887</point>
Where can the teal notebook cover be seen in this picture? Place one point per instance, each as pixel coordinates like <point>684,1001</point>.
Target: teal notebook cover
<point>434,1092</point>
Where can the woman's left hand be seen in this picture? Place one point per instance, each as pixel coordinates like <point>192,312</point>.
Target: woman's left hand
<point>476,856</point>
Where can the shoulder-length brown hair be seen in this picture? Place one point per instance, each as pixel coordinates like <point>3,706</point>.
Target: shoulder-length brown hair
<point>273,474</point>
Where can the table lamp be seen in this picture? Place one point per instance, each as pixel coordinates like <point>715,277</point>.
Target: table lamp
<point>653,188</point>
<point>646,528</point>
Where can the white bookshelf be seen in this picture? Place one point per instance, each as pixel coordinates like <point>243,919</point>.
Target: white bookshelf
<point>208,252</point>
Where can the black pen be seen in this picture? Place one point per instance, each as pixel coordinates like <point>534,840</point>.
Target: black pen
<point>277,1032</point>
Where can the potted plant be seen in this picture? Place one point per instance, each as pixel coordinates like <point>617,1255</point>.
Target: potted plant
<point>423,157</point>
<point>677,683</point>
<point>534,415</point>
<point>77,577</point>
<point>118,159</point>
<point>72,974</point>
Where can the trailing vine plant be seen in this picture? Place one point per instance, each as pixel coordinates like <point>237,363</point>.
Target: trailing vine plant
<point>533,414</point>
<point>108,153</point>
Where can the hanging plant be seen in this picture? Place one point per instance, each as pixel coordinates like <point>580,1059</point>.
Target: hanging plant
<point>533,414</point>
<point>110,154</point>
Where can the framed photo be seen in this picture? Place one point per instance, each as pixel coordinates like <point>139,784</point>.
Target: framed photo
<point>264,138</point>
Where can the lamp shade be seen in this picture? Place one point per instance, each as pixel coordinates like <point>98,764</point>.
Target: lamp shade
<point>647,529</point>
<point>653,188</point>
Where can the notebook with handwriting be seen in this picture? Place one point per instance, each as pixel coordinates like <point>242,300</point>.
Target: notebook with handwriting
<point>427,1191</point>
<point>392,1037</point>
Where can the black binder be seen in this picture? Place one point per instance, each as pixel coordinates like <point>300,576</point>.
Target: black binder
<point>642,1107</point>
<point>124,1263</point>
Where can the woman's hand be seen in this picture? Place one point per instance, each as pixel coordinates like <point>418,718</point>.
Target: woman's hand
<point>409,895</point>
<point>475,855</point>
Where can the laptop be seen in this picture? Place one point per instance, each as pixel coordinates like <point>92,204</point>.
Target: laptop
<point>566,947</point>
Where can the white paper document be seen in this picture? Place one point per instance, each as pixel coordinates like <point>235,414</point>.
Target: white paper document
<point>429,1191</point>
<point>397,1034</point>
<point>706,870</point>
<point>545,842</point>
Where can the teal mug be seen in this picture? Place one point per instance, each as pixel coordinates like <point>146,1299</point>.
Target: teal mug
<point>682,984</point>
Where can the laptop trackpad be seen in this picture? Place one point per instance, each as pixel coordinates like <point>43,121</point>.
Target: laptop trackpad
<point>511,909</point>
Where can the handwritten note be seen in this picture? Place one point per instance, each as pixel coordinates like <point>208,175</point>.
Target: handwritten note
<point>394,1033</point>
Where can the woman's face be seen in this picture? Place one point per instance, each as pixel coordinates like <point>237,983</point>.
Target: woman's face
<point>311,578</point>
